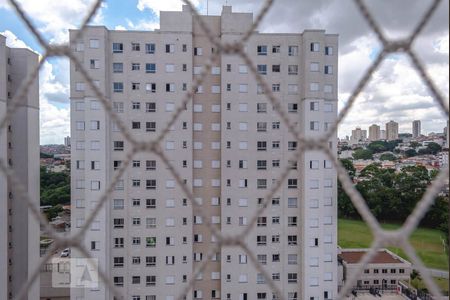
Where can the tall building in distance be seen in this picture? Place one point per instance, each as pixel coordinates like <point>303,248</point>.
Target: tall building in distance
<point>382,134</point>
<point>391,130</point>
<point>67,141</point>
<point>374,132</point>
<point>228,145</point>
<point>358,135</point>
<point>19,149</point>
<point>416,128</point>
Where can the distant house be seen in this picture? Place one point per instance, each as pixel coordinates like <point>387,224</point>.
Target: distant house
<point>384,271</point>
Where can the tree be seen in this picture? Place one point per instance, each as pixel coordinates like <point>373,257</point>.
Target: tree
<point>410,153</point>
<point>362,154</point>
<point>348,165</point>
<point>388,156</point>
<point>55,187</point>
<point>414,144</point>
<point>434,148</point>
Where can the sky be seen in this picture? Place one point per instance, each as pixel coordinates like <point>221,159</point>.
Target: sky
<point>395,91</point>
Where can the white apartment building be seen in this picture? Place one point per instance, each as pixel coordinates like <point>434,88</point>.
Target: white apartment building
<point>229,146</point>
<point>374,132</point>
<point>19,150</point>
<point>391,130</point>
<point>358,135</point>
<point>416,128</point>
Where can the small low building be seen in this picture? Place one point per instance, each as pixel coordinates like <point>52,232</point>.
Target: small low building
<point>384,271</point>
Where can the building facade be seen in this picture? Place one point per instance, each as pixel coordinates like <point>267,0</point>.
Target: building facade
<point>19,150</point>
<point>416,128</point>
<point>391,130</point>
<point>385,270</point>
<point>358,135</point>
<point>229,146</point>
<point>374,132</point>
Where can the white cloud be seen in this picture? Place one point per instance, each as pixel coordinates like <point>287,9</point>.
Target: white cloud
<point>163,5</point>
<point>13,41</point>
<point>54,18</point>
<point>142,25</point>
<point>54,123</point>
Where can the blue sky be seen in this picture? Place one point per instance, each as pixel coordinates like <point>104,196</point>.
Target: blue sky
<point>395,92</point>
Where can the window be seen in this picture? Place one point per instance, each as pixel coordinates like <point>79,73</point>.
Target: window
<point>292,277</point>
<point>314,67</point>
<point>328,88</point>
<point>94,64</point>
<point>261,50</point>
<point>118,87</point>
<point>292,183</point>
<point>170,68</point>
<point>261,183</point>
<point>243,88</point>
<point>150,68</point>
<point>150,280</point>
<point>150,126</point>
<point>261,107</point>
<point>151,184</point>
<point>292,89</point>
<point>118,280</point>
<point>243,69</point>
<point>135,86</point>
<point>117,47</point>
<point>94,43</point>
<point>261,240</point>
<point>292,221</point>
<point>135,47</point>
<point>170,48</point>
<point>79,86</point>
<point>150,48</point>
<point>150,107</point>
<point>262,69</point>
<point>118,107</point>
<point>261,164</point>
<point>276,87</point>
<point>135,66</point>
<point>261,145</point>
<point>314,125</point>
<point>170,87</point>
<point>150,242</point>
<point>328,50</point>
<point>292,69</point>
<point>315,47</point>
<point>150,203</point>
<point>276,49</point>
<point>198,51</point>
<point>276,68</point>
<point>261,126</point>
<point>80,125</point>
<point>292,107</point>
<point>118,145</point>
<point>314,106</point>
<point>328,69</point>
<point>314,164</point>
<point>292,50</point>
<point>292,202</point>
<point>314,87</point>
<point>292,240</point>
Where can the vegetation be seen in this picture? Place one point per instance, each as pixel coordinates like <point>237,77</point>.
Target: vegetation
<point>383,146</point>
<point>55,187</point>
<point>391,196</point>
<point>427,242</point>
<point>410,153</point>
<point>46,155</point>
<point>362,154</point>
<point>432,148</point>
<point>388,156</point>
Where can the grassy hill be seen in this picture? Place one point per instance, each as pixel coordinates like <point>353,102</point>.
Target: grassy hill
<point>427,242</point>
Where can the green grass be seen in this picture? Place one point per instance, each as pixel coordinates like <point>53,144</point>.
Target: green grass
<point>427,242</point>
<point>442,283</point>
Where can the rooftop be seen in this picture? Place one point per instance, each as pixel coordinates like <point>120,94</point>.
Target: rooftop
<point>382,257</point>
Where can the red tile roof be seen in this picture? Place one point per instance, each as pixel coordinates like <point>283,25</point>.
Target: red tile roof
<point>382,257</point>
